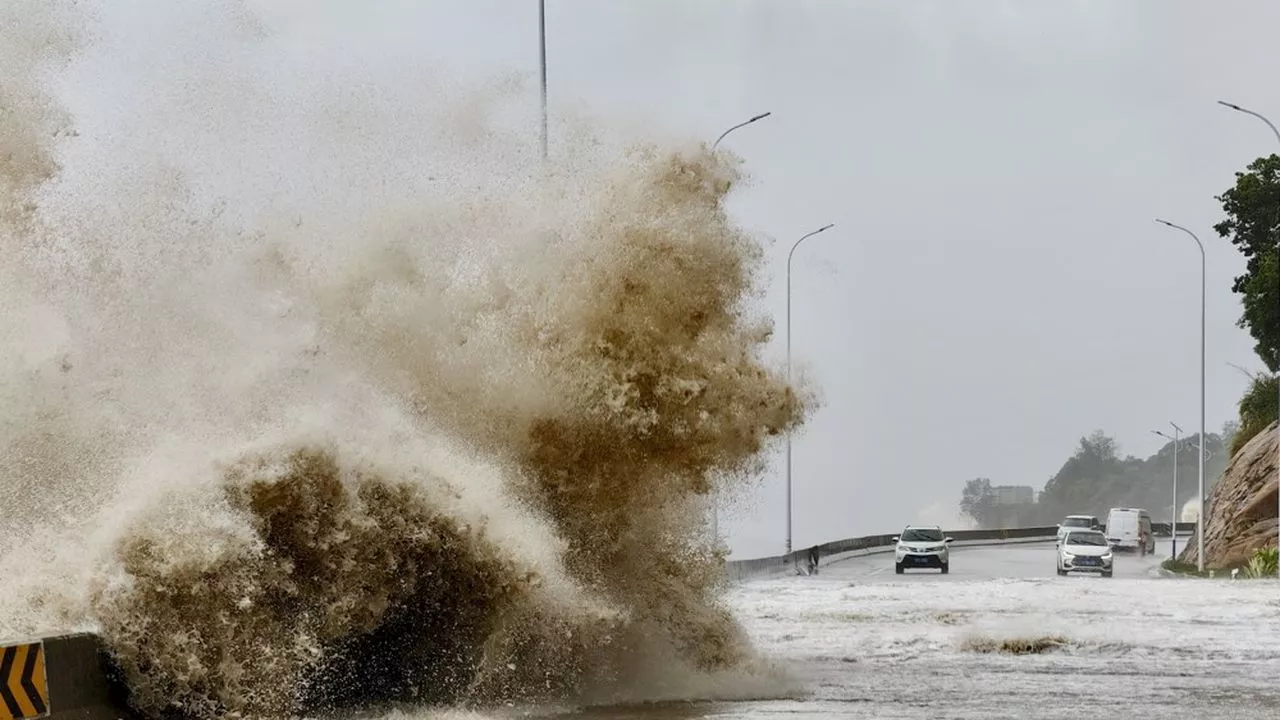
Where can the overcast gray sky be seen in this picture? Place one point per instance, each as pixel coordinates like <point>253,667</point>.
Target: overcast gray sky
<point>995,286</point>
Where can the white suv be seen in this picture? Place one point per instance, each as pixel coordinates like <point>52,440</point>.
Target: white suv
<point>1077,522</point>
<point>921,546</point>
<point>1085,551</point>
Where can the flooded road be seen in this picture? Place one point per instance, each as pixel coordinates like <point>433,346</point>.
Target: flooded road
<point>866,643</point>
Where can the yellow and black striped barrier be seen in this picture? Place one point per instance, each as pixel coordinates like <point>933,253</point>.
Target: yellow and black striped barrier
<point>24,690</point>
<point>62,677</point>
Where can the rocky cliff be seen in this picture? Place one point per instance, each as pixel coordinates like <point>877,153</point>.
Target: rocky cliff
<point>1242,506</point>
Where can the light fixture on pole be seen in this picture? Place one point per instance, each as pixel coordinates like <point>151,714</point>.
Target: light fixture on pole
<point>1200,523</point>
<point>789,255</point>
<point>744,123</point>
<point>715,507</point>
<point>1271,125</point>
<point>1173,525</point>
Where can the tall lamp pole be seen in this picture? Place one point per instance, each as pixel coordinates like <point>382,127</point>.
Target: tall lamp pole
<point>789,255</point>
<point>1202,519</point>
<point>1173,525</point>
<point>1271,125</point>
<point>542,67</point>
<point>715,507</point>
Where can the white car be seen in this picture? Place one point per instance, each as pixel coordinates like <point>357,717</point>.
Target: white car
<point>921,546</point>
<point>1078,522</point>
<point>1085,551</point>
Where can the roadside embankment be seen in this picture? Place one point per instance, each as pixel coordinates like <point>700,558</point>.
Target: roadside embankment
<point>1241,508</point>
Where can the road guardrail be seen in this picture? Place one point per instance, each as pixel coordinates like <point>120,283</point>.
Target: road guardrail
<point>798,561</point>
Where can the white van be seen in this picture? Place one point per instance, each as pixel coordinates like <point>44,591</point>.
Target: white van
<point>1124,526</point>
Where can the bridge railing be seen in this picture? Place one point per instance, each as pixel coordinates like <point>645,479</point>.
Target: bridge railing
<point>797,560</point>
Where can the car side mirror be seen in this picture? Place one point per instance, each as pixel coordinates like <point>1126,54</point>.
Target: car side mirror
<point>947,539</point>
<point>896,538</point>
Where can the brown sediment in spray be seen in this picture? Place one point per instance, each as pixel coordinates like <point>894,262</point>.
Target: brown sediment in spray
<point>446,447</point>
<point>348,587</point>
<point>650,384</point>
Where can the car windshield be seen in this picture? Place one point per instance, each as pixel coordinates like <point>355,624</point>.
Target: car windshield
<point>1077,522</point>
<point>919,535</point>
<point>1086,538</point>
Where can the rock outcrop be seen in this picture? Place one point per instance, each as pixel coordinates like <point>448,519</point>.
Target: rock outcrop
<point>1242,506</point>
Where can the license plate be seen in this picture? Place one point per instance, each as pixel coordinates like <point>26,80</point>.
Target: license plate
<point>1086,561</point>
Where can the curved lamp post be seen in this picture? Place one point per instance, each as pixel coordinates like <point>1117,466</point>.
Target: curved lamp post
<point>1173,527</point>
<point>1202,519</point>
<point>745,123</point>
<point>789,255</point>
<point>715,508</point>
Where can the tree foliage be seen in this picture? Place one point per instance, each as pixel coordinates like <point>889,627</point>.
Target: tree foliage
<point>1096,478</point>
<point>1257,410</point>
<point>979,501</point>
<point>1252,207</point>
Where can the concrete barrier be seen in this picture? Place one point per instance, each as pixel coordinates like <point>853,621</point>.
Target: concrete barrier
<point>63,677</point>
<point>796,561</point>
<point>1161,529</point>
<point>832,552</point>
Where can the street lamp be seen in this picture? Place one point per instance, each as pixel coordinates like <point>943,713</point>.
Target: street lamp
<point>1271,125</point>
<point>1173,526</point>
<point>542,67</point>
<point>761,116</point>
<point>793,252</point>
<point>1202,519</point>
<point>715,508</point>
<point>1261,117</point>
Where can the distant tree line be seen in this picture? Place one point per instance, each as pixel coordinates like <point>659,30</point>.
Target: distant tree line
<point>1096,478</point>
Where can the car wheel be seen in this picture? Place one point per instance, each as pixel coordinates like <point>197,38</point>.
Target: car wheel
<point>946,567</point>
<point>897,567</point>
<point>1106,574</point>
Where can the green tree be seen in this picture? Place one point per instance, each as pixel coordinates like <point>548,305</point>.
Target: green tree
<point>1089,479</point>
<point>1229,430</point>
<point>1253,226</point>
<point>1095,478</point>
<point>978,501</point>
<point>1257,410</point>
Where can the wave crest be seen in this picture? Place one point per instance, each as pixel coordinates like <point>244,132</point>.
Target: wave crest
<point>444,443</point>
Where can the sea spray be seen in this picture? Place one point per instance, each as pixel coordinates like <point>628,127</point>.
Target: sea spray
<point>305,414</point>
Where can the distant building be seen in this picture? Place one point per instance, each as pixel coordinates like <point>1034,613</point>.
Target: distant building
<point>1014,494</point>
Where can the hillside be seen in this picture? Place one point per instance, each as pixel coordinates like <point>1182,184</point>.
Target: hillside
<point>1242,506</point>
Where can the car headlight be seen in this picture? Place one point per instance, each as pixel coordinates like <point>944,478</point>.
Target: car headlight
<point>1067,555</point>
<point>1106,557</point>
